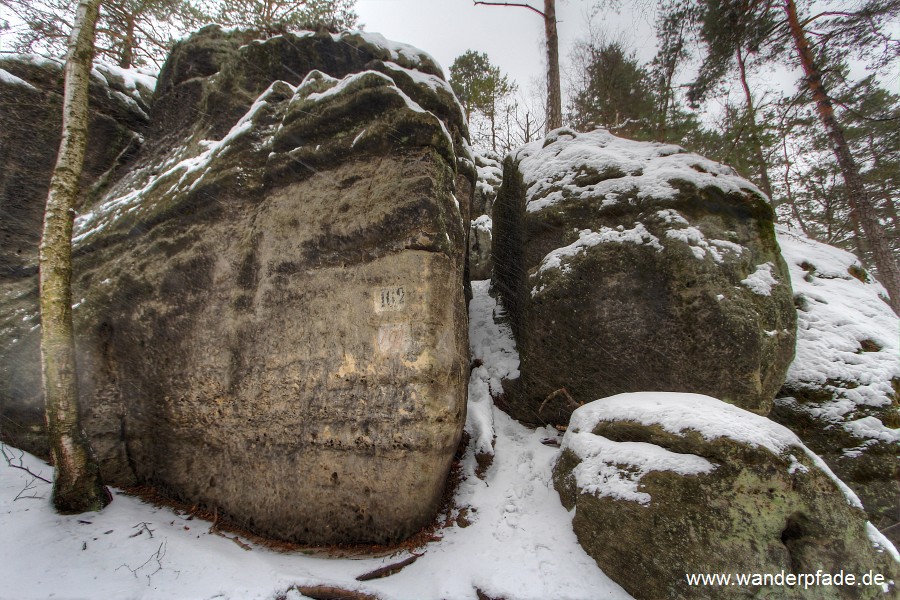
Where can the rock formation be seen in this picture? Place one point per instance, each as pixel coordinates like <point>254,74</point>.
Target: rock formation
<point>270,300</point>
<point>842,394</point>
<point>488,182</point>
<point>630,266</point>
<point>30,126</point>
<point>667,485</point>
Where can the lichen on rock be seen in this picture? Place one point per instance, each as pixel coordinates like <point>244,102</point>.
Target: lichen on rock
<point>666,485</point>
<point>842,394</point>
<point>630,266</point>
<point>273,316</point>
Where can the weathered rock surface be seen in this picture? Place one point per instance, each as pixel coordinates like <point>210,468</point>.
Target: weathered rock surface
<point>489,178</point>
<point>30,126</point>
<point>630,266</point>
<point>270,303</point>
<point>842,391</point>
<point>667,484</point>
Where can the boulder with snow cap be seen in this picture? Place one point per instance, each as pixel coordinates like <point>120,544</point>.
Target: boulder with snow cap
<point>270,305</point>
<point>668,485</point>
<point>842,394</point>
<point>629,266</point>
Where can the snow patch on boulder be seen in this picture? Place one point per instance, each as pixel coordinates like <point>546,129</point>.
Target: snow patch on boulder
<point>597,163</point>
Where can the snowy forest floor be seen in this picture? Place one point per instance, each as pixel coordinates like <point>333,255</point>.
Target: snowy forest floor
<point>506,535</point>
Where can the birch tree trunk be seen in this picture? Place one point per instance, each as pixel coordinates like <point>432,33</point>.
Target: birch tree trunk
<point>77,486</point>
<point>862,212</point>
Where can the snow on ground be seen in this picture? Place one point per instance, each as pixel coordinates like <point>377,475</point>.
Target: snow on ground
<point>519,542</point>
<point>847,336</point>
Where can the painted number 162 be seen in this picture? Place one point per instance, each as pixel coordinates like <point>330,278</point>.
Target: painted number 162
<point>393,298</point>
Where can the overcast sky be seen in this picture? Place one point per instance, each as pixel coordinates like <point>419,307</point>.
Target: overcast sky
<point>511,37</point>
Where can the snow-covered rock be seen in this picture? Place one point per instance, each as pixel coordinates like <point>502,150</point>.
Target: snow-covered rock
<point>843,389</point>
<point>631,266</point>
<point>487,183</point>
<point>666,485</point>
<point>270,304</point>
<point>31,89</point>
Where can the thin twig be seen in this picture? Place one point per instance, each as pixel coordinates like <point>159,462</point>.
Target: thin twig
<point>28,487</point>
<point>156,556</point>
<point>9,456</point>
<point>214,529</point>
<point>560,392</point>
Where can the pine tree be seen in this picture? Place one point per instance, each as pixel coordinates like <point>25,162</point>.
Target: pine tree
<point>482,89</point>
<point>861,206</point>
<point>77,486</point>
<point>276,16</point>
<point>672,29</point>
<point>616,93</point>
<point>733,32</point>
<point>129,32</point>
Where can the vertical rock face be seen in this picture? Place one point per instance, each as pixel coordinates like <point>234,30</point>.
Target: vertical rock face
<point>490,176</point>
<point>630,266</point>
<point>842,394</point>
<point>271,308</point>
<point>30,126</point>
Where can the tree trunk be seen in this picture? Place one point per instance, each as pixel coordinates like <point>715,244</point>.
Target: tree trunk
<point>861,210</point>
<point>126,59</point>
<point>77,486</point>
<point>789,193</point>
<point>754,129</point>
<point>554,94</point>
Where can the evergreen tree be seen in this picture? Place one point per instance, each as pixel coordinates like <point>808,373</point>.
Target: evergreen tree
<point>275,16</point>
<point>733,33</point>
<point>483,91</point>
<point>672,29</point>
<point>129,32</point>
<point>862,208</point>
<point>615,93</point>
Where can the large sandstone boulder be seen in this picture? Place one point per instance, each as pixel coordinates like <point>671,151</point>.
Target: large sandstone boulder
<point>666,486</point>
<point>842,394</point>
<point>632,266</point>
<point>30,129</point>
<point>270,310</point>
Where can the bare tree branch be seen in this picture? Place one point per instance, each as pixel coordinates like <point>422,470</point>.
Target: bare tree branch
<point>518,4</point>
<point>10,456</point>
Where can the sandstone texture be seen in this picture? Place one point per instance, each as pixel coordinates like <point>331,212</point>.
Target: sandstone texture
<point>270,308</point>
<point>30,124</point>
<point>668,484</point>
<point>842,394</point>
<point>489,178</point>
<point>631,266</point>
